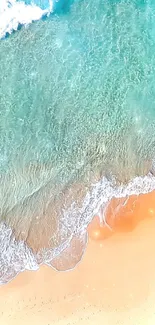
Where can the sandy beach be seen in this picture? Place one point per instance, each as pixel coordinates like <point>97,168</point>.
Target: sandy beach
<point>114,284</point>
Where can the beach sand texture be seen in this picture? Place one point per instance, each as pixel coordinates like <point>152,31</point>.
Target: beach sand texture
<point>113,284</point>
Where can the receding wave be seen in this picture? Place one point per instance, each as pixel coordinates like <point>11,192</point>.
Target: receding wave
<point>17,256</point>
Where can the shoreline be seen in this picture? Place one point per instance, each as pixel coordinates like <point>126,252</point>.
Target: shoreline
<point>112,200</point>
<point>114,282</point>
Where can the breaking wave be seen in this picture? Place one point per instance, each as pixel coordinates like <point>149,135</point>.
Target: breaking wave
<point>14,13</point>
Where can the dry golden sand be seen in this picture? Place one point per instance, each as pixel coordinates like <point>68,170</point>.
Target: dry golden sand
<point>114,284</point>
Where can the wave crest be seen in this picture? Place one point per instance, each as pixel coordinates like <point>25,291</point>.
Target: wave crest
<point>13,14</point>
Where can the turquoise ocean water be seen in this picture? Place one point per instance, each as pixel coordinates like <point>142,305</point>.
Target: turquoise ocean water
<point>77,122</point>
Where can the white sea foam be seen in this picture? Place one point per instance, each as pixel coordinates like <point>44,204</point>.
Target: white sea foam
<point>13,14</point>
<point>77,219</point>
<point>16,256</point>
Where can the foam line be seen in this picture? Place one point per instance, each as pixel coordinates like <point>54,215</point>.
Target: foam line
<point>16,256</point>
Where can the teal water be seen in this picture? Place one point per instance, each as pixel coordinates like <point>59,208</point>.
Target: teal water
<point>79,79</point>
<point>77,102</point>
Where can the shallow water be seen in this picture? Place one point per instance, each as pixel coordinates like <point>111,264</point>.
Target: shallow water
<point>76,104</point>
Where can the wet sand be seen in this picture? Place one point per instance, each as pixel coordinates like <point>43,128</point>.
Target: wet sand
<point>114,284</point>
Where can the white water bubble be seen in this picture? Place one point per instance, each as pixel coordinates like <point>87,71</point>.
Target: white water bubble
<point>13,14</point>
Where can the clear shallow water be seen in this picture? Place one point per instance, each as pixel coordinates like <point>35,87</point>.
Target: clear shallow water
<point>77,104</point>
